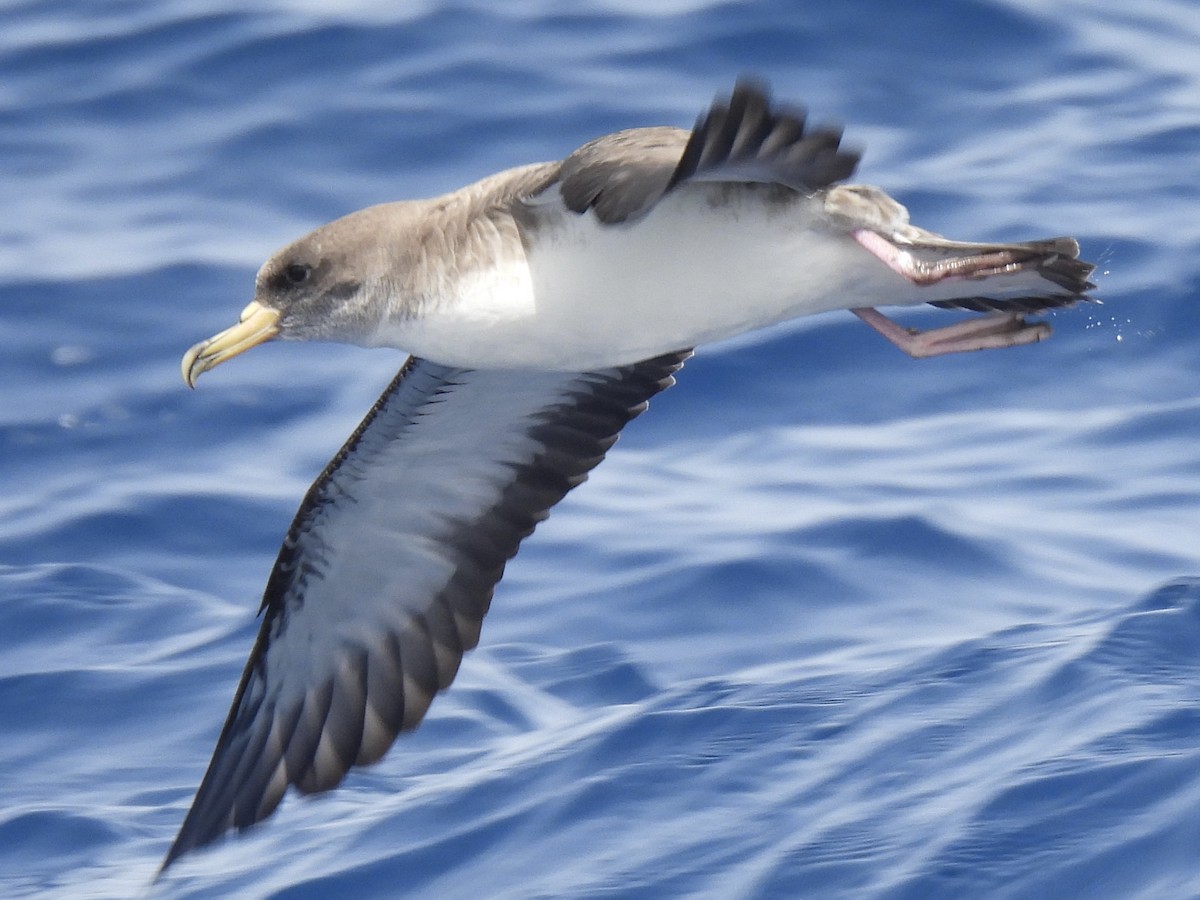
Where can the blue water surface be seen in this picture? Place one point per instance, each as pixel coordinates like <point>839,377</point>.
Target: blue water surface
<point>828,623</point>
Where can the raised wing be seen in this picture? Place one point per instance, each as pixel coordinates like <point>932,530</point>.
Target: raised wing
<point>389,568</point>
<point>749,139</point>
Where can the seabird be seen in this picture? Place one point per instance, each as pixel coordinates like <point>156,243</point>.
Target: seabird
<point>542,307</point>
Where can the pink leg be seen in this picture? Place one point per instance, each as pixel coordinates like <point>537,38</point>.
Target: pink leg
<point>984,333</point>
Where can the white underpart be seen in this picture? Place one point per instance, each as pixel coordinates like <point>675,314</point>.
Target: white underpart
<point>698,268</point>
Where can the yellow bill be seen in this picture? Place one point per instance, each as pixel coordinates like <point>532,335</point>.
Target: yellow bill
<point>256,324</point>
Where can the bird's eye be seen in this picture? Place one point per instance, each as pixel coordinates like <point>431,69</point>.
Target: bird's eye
<point>297,273</point>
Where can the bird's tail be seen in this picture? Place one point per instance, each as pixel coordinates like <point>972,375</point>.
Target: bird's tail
<point>1021,277</point>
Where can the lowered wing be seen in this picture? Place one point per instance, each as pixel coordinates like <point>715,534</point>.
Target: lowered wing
<point>389,566</point>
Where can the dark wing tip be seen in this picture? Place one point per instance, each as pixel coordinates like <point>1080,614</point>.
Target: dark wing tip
<point>747,139</point>
<point>752,138</point>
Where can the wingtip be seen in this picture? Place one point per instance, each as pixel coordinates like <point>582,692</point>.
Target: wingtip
<point>750,136</point>
<point>168,860</point>
<point>178,849</point>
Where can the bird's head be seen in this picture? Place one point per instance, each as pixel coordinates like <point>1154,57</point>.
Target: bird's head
<point>319,288</point>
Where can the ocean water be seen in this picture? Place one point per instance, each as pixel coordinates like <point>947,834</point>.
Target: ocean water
<point>829,622</point>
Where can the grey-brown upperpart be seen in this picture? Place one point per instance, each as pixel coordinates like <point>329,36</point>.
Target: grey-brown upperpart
<point>394,260</point>
<point>405,250</point>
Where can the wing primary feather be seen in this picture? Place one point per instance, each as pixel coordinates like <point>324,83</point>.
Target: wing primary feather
<point>385,676</point>
<point>307,734</point>
<point>751,139</point>
<point>344,725</point>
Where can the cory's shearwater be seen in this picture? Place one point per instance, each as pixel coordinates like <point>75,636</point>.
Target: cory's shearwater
<point>542,307</point>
